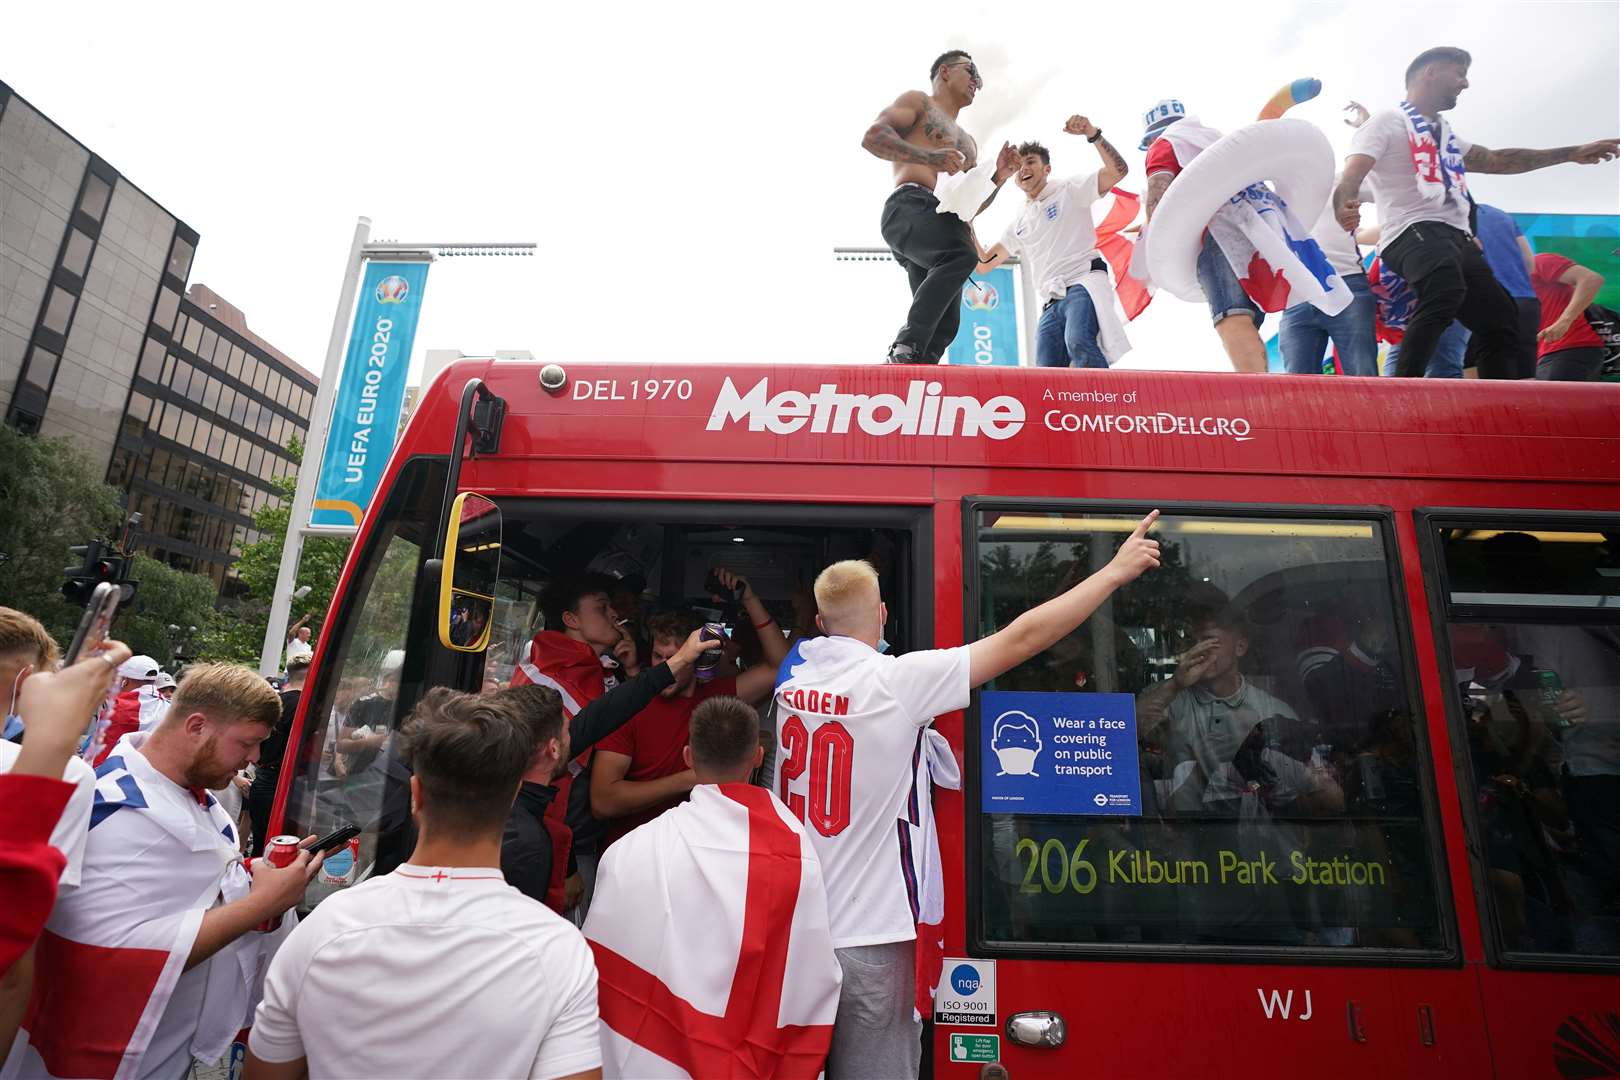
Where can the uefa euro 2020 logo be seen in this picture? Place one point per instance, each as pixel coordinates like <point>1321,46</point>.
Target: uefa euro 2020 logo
<point>392,290</point>
<point>980,296</point>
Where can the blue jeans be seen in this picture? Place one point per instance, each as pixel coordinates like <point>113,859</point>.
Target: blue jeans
<point>1220,285</point>
<point>1067,335</point>
<point>1447,361</point>
<point>1306,330</point>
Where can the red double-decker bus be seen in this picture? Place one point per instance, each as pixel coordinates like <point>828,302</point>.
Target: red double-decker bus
<point>1380,838</point>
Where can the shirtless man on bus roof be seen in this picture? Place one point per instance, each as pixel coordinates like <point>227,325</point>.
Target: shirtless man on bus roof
<point>919,133</point>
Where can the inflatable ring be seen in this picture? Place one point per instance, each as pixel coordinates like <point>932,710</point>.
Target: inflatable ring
<point>1293,154</point>
<point>1295,93</point>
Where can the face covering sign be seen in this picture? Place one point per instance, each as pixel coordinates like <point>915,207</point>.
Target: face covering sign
<point>1047,753</point>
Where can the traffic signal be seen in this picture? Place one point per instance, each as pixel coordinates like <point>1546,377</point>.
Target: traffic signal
<point>100,562</point>
<point>80,580</point>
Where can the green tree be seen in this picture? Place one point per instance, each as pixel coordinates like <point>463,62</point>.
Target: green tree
<point>52,499</point>
<point>239,633</point>
<point>171,612</point>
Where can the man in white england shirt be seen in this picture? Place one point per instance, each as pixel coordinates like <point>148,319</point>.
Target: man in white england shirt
<point>439,968</point>
<point>849,720</point>
<point>1054,231</point>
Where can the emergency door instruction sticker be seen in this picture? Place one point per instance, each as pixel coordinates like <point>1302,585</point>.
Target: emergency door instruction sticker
<point>966,994</point>
<point>975,1048</point>
<point>1058,753</point>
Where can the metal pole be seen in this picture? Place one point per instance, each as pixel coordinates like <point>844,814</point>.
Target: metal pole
<point>275,633</point>
<point>1031,310</point>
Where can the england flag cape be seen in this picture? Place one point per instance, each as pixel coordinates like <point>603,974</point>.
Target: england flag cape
<point>111,961</point>
<point>713,950</point>
<point>1272,254</point>
<point>932,765</point>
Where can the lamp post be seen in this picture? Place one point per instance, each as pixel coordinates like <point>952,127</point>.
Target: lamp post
<point>298,525</point>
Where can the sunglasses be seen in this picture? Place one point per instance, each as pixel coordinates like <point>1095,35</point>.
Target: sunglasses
<point>973,71</point>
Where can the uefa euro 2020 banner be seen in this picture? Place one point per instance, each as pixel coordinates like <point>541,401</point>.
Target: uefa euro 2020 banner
<point>989,333</point>
<point>370,392</point>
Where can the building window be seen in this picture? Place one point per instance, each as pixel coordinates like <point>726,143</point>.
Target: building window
<point>58,310</point>
<point>94,200</point>
<point>233,366</point>
<point>168,306</point>
<point>211,395</point>
<point>180,258</point>
<point>180,327</point>
<point>205,347</point>
<point>180,380</point>
<point>76,255</point>
<point>193,338</point>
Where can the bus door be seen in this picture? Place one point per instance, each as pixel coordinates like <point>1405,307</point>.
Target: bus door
<point>1201,829</point>
<point>1527,613</point>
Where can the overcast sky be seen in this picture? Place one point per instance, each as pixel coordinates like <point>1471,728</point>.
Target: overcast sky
<point>687,168</point>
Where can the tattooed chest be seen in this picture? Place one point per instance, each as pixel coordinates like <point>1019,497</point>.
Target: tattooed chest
<point>937,129</point>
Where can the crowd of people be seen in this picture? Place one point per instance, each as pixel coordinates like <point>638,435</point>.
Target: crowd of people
<point>1454,286</point>
<point>604,875</point>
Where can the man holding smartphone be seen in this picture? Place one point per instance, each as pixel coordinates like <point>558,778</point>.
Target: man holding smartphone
<point>160,933</point>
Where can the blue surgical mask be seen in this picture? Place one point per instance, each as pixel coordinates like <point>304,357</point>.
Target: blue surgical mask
<point>883,644</point>
<point>14,722</point>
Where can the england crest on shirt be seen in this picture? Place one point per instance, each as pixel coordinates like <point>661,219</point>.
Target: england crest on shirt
<point>1052,211</point>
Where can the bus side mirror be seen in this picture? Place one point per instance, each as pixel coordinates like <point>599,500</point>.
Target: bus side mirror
<point>472,566</point>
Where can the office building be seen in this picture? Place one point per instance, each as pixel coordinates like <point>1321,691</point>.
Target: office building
<point>204,434</point>
<point>181,404</point>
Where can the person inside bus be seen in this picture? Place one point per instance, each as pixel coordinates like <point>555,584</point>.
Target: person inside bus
<point>640,771</point>
<point>537,846</point>
<point>1205,711</point>
<point>571,655</point>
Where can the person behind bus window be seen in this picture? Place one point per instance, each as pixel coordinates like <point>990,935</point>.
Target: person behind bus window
<point>537,847</point>
<point>849,721</point>
<point>640,771</point>
<point>581,631</point>
<point>1204,712</point>
<point>440,968</point>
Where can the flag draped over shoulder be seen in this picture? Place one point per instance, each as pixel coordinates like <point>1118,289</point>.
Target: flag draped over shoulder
<point>1116,249</point>
<point>111,962</point>
<point>1270,252</point>
<point>715,959</point>
<point>933,765</point>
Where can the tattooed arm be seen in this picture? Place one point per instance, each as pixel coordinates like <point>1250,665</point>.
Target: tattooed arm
<point>1482,159</point>
<point>1157,183</point>
<point>883,138</point>
<point>1114,167</point>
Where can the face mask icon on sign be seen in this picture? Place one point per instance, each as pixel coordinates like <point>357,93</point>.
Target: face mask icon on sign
<point>1016,739</point>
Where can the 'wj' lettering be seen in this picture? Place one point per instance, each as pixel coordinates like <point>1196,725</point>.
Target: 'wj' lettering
<point>1278,1006</point>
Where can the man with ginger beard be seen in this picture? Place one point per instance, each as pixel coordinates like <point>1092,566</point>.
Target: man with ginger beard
<point>159,934</point>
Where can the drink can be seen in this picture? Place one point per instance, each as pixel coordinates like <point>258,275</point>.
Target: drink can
<point>343,865</point>
<point>708,662</point>
<point>1551,686</point>
<point>278,851</point>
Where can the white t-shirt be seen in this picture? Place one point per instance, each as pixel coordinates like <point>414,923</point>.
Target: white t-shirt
<point>1338,245</point>
<point>881,703</point>
<point>1055,232</point>
<point>431,971</point>
<point>1394,180</point>
<point>296,648</point>
<point>73,829</point>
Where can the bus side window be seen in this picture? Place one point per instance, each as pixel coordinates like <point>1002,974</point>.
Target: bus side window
<point>349,770</point>
<point>1276,796</point>
<point>1533,632</point>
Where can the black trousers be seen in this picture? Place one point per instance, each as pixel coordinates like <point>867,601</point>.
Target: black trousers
<point>938,255</point>
<point>1529,325</point>
<point>261,798</point>
<point>1452,280</point>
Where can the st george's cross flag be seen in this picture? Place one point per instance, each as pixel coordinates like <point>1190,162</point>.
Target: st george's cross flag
<point>111,997</point>
<point>709,928</point>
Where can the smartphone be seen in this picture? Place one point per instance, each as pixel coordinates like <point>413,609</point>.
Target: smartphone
<point>95,623</point>
<point>335,839</point>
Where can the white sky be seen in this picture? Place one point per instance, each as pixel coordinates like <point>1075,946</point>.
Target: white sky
<point>687,168</point>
